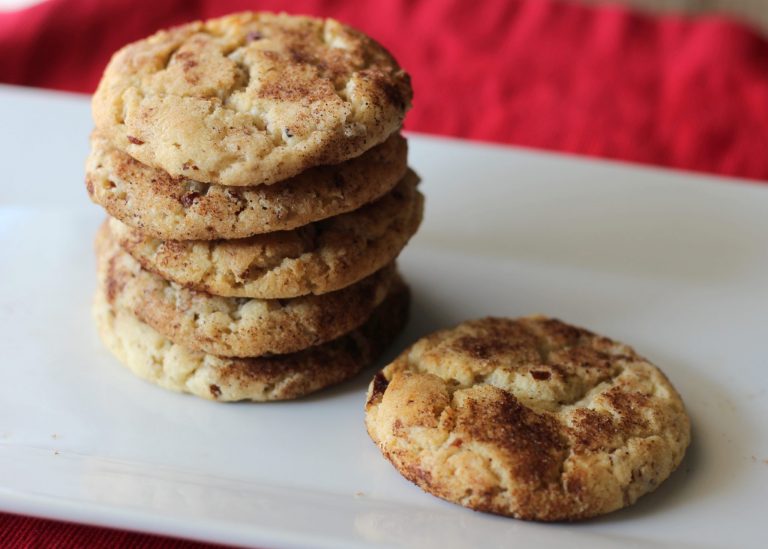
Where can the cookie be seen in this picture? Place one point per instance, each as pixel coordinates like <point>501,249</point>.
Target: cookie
<point>171,208</point>
<point>229,326</point>
<point>155,358</point>
<point>530,418</point>
<point>314,259</point>
<point>251,98</point>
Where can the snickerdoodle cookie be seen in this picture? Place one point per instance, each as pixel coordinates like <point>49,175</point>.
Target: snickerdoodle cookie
<point>155,358</point>
<point>229,326</point>
<point>317,258</point>
<point>531,418</point>
<point>251,98</point>
<point>171,208</point>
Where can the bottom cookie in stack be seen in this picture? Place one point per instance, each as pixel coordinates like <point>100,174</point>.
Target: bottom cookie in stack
<point>154,356</point>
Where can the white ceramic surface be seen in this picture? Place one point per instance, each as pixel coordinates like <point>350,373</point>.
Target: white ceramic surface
<point>673,263</point>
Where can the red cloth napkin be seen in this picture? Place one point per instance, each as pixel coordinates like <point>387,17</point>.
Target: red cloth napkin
<point>671,91</point>
<point>18,532</point>
<point>686,93</point>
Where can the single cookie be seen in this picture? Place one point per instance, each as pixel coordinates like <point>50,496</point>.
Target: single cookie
<point>229,326</point>
<point>315,259</point>
<point>155,358</point>
<point>251,98</point>
<point>171,208</point>
<point>530,418</point>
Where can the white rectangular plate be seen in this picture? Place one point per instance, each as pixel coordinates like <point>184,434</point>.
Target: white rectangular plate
<point>672,263</point>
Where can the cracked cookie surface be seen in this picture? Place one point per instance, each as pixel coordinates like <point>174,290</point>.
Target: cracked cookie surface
<point>153,357</point>
<point>530,418</point>
<point>165,207</point>
<point>251,98</point>
<point>229,326</point>
<point>317,258</point>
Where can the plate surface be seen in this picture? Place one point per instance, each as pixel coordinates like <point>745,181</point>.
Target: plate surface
<point>672,263</point>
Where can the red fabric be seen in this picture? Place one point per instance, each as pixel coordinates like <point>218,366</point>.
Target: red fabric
<point>17,532</point>
<point>542,73</point>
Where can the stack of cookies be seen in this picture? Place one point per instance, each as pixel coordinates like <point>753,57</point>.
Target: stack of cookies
<point>259,195</point>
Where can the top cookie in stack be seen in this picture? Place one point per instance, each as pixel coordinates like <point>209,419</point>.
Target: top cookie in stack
<point>251,99</point>
<point>259,193</point>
